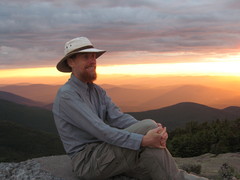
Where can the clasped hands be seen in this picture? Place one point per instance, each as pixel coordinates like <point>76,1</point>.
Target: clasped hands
<point>156,138</point>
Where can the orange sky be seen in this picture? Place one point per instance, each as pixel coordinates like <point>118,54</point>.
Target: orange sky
<point>173,38</point>
<point>50,75</point>
<point>227,65</point>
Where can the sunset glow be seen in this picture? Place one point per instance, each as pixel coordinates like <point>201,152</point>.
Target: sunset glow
<point>231,68</point>
<point>30,72</point>
<point>176,39</point>
<point>208,68</point>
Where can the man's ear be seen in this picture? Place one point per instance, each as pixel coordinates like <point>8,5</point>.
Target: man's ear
<point>70,62</point>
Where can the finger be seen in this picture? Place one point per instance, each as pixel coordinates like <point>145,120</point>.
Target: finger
<point>162,146</point>
<point>158,129</point>
<point>159,124</point>
<point>163,143</point>
<point>152,131</point>
<point>163,131</point>
<point>165,135</point>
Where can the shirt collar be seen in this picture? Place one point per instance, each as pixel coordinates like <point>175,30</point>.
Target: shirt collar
<point>79,84</point>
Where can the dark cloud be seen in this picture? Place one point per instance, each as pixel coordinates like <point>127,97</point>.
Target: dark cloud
<point>34,32</point>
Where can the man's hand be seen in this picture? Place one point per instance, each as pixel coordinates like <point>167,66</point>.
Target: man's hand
<point>164,136</point>
<point>155,138</point>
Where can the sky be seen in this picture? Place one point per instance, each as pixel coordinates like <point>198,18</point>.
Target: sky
<point>140,36</point>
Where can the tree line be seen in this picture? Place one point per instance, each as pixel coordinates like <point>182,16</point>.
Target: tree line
<point>19,143</point>
<point>219,136</point>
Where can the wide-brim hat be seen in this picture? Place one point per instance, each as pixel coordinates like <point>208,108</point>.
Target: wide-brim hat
<point>75,46</point>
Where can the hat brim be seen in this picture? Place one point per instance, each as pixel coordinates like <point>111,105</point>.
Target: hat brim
<point>63,66</point>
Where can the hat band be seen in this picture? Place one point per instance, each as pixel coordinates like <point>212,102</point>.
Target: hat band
<point>79,49</point>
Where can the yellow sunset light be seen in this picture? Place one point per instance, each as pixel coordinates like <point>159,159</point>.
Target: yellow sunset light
<point>231,68</point>
<point>30,72</point>
<point>203,68</point>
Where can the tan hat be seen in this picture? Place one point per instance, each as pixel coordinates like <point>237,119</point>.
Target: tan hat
<point>75,46</point>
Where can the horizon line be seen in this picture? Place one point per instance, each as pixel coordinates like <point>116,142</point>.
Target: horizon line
<point>165,69</point>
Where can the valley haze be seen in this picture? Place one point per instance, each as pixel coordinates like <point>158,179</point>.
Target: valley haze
<point>142,93</point>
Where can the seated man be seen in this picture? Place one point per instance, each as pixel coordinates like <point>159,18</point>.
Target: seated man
<point>102,141</point>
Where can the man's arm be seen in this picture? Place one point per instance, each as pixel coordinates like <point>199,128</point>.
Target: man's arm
<point>154,138</point>
<point>74,110</point>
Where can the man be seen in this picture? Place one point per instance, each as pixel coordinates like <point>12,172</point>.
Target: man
<point>102,141</point>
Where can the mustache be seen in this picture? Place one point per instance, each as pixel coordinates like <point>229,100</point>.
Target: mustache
<point>89,66</point>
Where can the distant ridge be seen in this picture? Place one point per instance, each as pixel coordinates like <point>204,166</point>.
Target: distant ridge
<point>18,99</point>
<point>233,109</point>
<point>173,116</point>
<point>19,143</point>
<point>191,93</point>
<point>133,98</point>
<point>178,115</point>
<point>30,117</point>
<point>38,92</point>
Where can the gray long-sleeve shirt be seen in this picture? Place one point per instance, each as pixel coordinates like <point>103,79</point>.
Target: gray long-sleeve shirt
<point>84,114</point>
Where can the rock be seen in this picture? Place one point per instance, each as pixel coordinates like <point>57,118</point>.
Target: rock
<point>59,167</point>
<point>44,168</point>
<point>211,164</point>
<point>25,170</point>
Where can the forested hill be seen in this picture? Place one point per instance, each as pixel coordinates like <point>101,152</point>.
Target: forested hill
<point>178,115</point>
<point>172,117</point>
<point>19,99</point>
<point>30,117</point>
<point>28,132</point>
<point>19,143</point>
<point>214,137</point>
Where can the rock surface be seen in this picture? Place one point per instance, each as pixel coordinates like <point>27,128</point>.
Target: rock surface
<point>211,164</point>
<point>44,168</point>
<point>59,167</point>
<point>30,169</point>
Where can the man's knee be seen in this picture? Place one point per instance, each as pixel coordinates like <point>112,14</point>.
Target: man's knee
<point>149,124</point>
<point>146,125</point>
<point>142,127</point>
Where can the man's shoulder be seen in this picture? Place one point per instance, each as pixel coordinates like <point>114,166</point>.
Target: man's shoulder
<point>67,88</point>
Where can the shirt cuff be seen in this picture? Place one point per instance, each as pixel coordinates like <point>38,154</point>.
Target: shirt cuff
<point>136,140</point>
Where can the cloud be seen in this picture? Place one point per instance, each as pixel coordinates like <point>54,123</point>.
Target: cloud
<point>38,29</point>
<point>14,57</point>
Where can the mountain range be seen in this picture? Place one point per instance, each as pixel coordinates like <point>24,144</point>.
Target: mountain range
<point>28,116</point>
<point>133,98</point>
<point>37,92</point>
<point>28,128</point>
<point>174,116</point>
<point>18,99</point>
<point>22,123</point>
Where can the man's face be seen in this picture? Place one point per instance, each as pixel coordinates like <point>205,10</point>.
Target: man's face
<point>84,66</point>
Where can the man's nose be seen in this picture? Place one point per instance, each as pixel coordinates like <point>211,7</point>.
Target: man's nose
<point>92,59</point>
